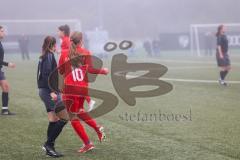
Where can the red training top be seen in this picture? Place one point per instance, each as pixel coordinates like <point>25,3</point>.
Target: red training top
<point>77,76</point>
<point>65,43</point>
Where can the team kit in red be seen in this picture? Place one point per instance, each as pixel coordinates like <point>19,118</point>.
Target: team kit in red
<point>65,44</point>
<point>77,78</point>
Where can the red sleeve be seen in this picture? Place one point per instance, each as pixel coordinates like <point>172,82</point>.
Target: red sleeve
<point>65,43</point>
<point>64,67</point>
<point>60,64</point>
<point>91,69</point>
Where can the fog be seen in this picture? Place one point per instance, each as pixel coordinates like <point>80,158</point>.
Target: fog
<point>127,18</point>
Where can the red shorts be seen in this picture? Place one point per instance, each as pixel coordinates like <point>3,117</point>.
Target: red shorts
<point>73,98</point>
<point>74,104</point>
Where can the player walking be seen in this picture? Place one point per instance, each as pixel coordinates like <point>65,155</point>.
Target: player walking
<point>74,64</point>
<point>64,33</point>
<point>47,64</point>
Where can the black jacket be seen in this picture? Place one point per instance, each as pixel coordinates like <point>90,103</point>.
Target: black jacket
<point>2,63</point>
<point>46,66</point>
<point>223,42</point>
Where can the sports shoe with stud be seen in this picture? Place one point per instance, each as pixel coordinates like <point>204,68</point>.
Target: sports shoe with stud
<point>86,148</point>
<point>101,134</point>
<point>50,151</point>
<point>222,82</point>
<point>6,112</point>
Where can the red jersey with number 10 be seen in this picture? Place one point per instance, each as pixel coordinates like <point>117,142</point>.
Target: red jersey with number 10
<point>77,76</point>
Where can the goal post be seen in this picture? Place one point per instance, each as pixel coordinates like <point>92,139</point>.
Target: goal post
<point>197,32</point>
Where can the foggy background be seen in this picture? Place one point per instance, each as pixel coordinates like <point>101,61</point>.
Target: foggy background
<point>127,18</point>
<point>153,25</point>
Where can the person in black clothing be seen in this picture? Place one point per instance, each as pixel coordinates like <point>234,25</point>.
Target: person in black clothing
<point>222,55</point>
<point>23,45</point>
<point>209,43</point>
<point>148,47</point>
<point>47,64</point>
<point>3,82</point>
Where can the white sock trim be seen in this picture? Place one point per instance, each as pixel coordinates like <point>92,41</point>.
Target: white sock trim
<point>4,107</point>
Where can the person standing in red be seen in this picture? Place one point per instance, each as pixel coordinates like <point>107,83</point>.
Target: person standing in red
<point>74,65</point>
<point>64,33</point>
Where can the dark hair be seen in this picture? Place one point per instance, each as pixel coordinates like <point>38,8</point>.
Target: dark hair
<point>74,56</point>
<point>65,29</point>
<point>48,43</point>
<point>219,29</point>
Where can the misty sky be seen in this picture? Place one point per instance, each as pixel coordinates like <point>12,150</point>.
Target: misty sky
<point>131,18</point>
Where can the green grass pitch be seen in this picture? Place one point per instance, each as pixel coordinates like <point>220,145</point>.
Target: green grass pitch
<point>209,131</point>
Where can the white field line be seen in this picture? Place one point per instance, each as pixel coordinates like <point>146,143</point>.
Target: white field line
<point>196,62</point>
<point>178,79</point>
<point>197,80</point>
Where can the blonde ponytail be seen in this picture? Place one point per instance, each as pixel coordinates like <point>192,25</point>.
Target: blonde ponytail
<point>74,56</point>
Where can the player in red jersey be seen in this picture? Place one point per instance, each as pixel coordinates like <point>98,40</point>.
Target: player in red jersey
<point>64,33</point>
<point>74,65</point>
